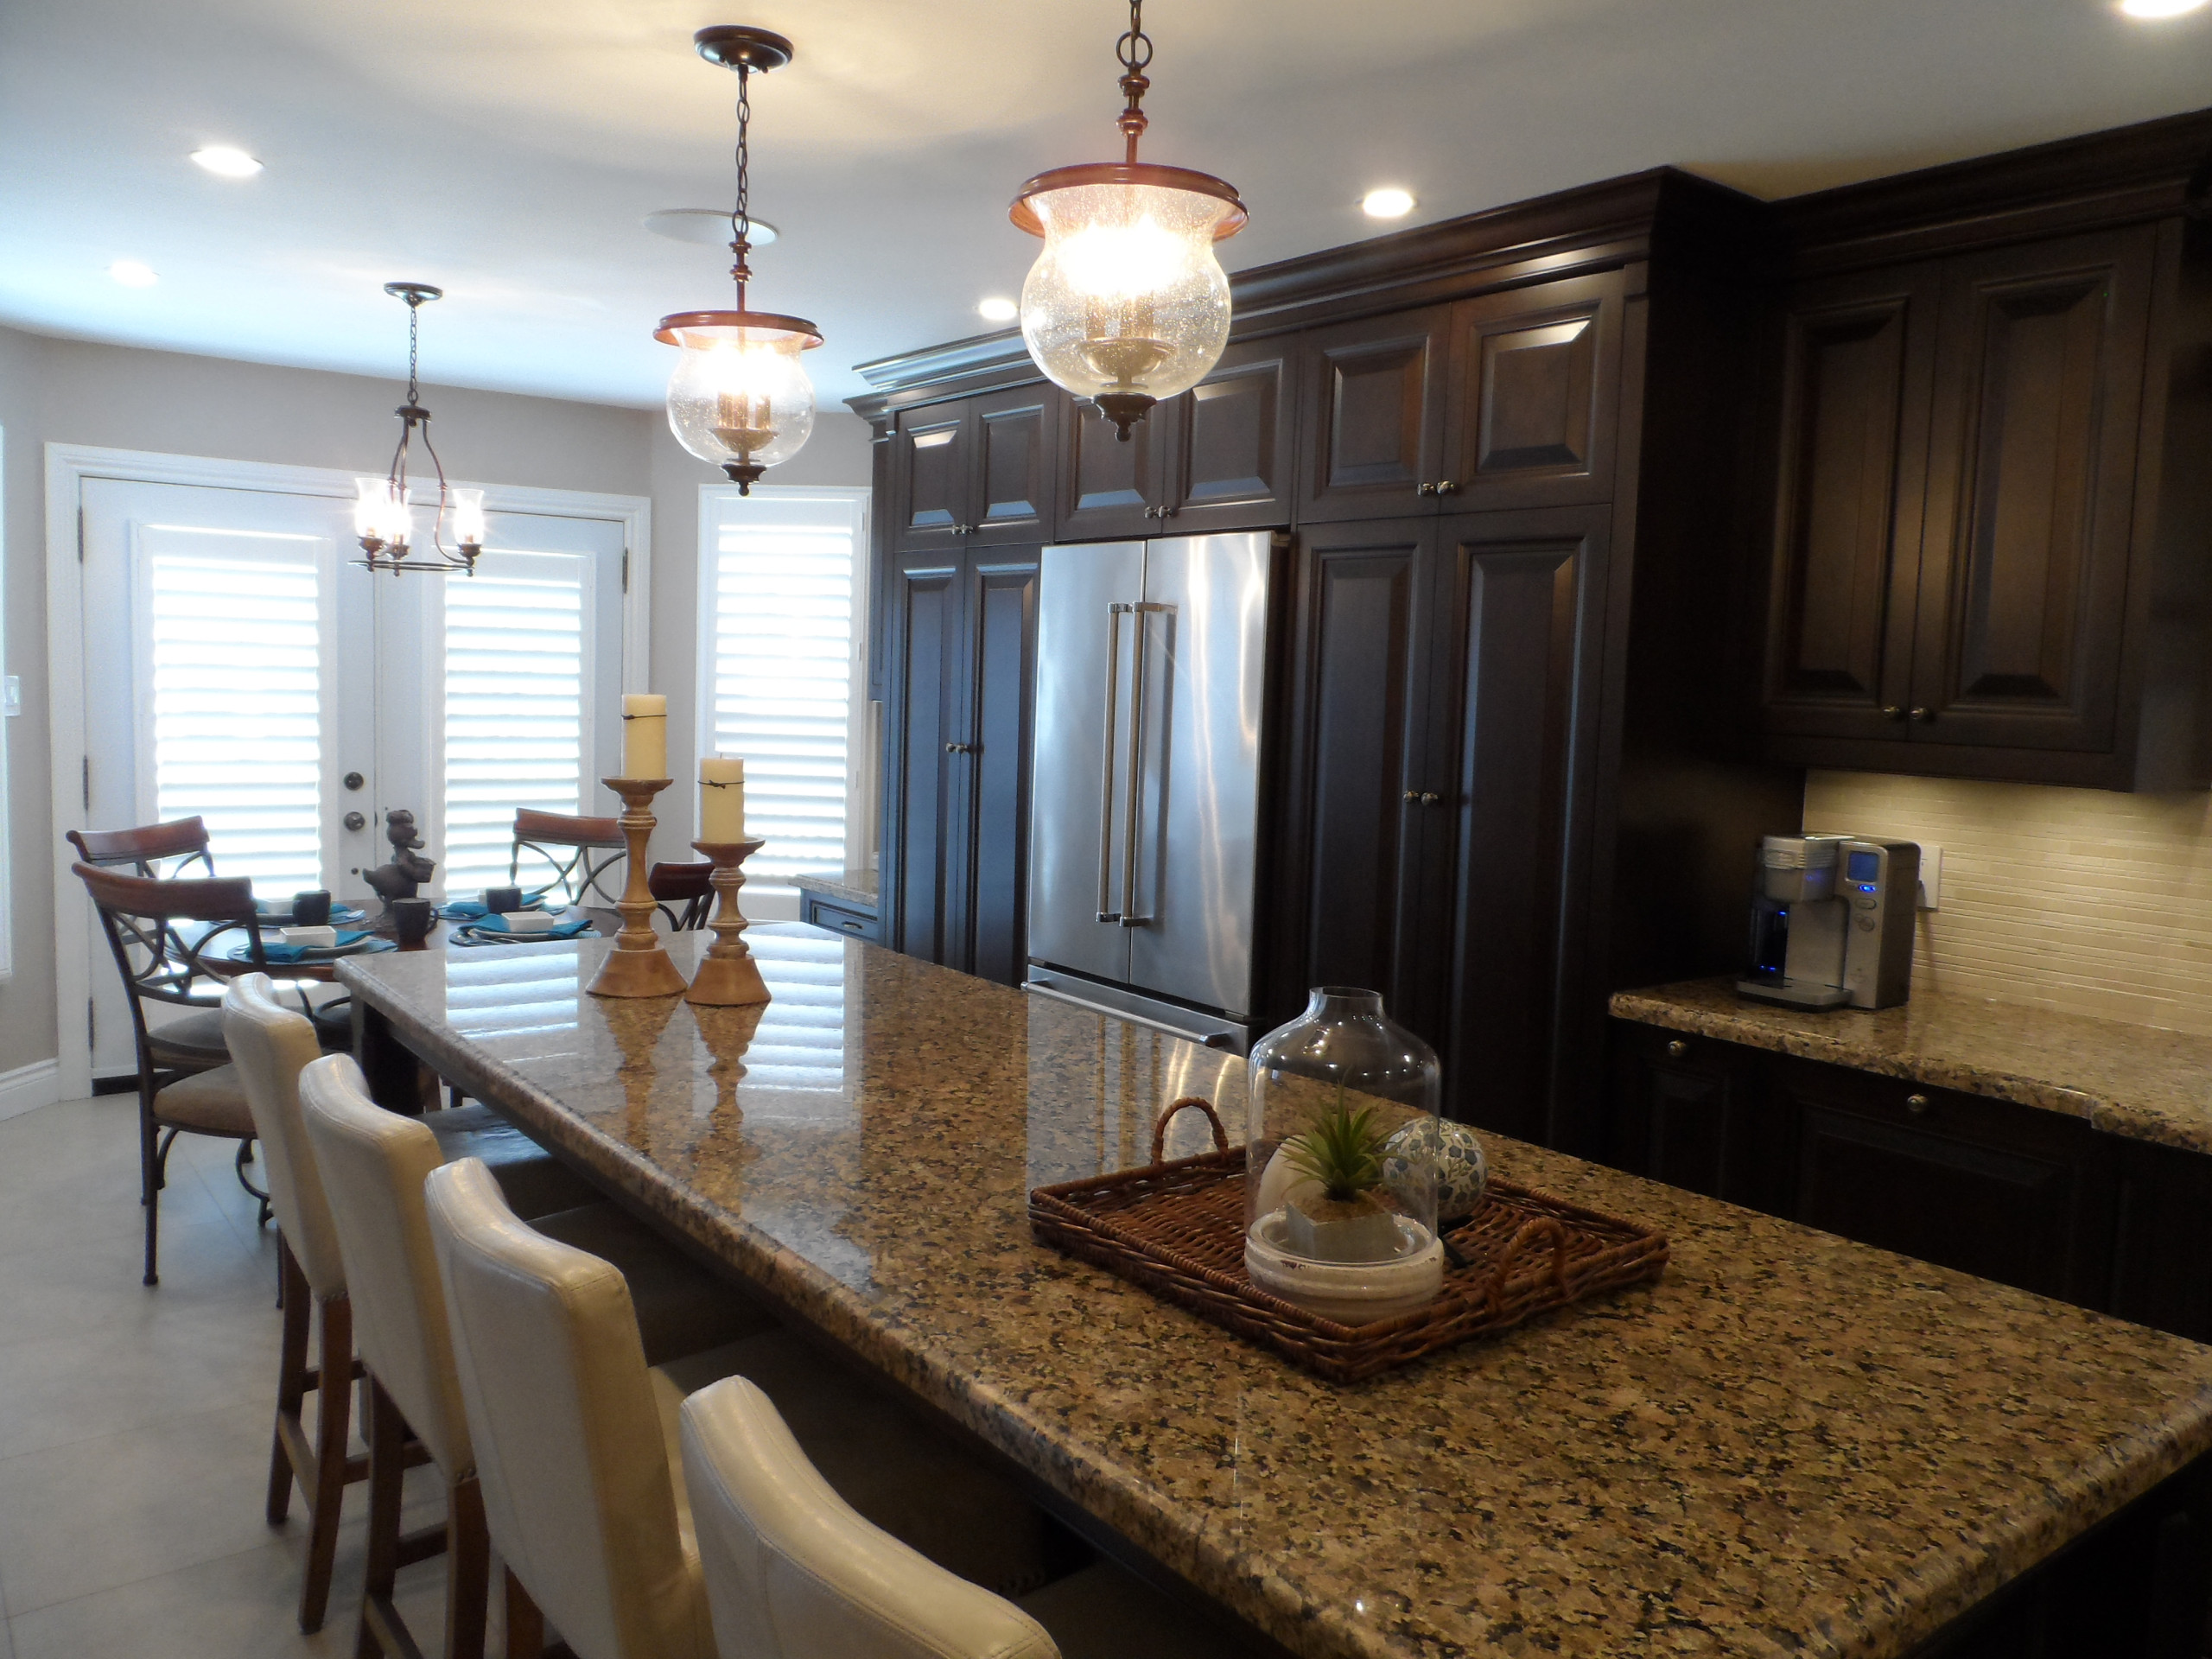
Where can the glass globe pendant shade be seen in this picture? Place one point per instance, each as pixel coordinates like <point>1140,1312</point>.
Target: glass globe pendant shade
<point>380,513</point>
<point>740,395</point>
<point>1127,303</point>
<point>1343,1147</point>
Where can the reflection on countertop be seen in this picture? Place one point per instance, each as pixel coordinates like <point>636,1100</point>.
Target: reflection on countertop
<point>2130,1080</point>
<point>855,887</point>
<point>1791,1443</point>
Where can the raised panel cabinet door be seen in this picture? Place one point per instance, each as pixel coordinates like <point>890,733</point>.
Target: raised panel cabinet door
<point>1109,486</point>
<point>1371,396</point>
<point>2031,500</point>
<point>1001,661</point>
<point>2163,1239</point>
<point>1509,786</point>
<point>1015,458</point>
<point>921,809</point>
<point>933,472</point>
<point>1858,358</point>
<point>1348,837</point>
<point>1233,454</point>
<point>1534,396</point>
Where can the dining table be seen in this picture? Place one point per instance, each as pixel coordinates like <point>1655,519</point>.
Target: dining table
<point>1787,1444</point>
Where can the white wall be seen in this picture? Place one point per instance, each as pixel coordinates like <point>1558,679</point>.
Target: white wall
<point>71,392</point>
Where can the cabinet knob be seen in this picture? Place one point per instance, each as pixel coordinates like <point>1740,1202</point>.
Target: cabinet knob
<point>1429,799</point>
<point>1447,486</point>
<point>1922,714</point>
<point>960,748</point>
<point>1413,797</point>
<point>1677,1048</point>
<point>1891,711</point>
<point>1917,1104</point>
<point>1425,489</point>
<point>1169,512</point>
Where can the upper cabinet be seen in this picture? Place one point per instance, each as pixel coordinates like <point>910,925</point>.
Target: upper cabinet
<point>977,471</point>
<point>1976,570</point>
<point>1374,444</point>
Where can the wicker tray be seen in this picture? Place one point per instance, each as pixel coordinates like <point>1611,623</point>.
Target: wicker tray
<point>1177,1229</point>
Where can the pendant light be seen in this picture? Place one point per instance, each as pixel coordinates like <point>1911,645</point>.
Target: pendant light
<point>1127,303</point>
<point>381,516</point>
<point>740,395</point>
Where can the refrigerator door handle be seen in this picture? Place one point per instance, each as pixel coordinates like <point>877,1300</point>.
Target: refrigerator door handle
<point>1129,917</point>
<point>1114,613</point>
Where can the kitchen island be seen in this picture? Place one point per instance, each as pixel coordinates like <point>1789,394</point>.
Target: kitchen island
<point>1790,1444</point>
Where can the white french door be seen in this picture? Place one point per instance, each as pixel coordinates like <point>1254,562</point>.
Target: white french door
<point>238,665</point>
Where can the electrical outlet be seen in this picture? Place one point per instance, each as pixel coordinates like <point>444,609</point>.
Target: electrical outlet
<point>1932,877</point>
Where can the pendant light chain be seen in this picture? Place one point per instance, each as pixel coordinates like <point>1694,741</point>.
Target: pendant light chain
<point>1134,50</point>
<point>740,217</point>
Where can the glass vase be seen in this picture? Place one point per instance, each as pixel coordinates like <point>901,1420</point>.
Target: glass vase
<point>1344,1138</point>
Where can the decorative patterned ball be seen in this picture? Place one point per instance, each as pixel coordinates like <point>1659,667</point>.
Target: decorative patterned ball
<point>1462,1168</point>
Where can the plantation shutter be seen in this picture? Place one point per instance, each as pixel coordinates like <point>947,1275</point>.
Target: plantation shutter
<point>779,649</point>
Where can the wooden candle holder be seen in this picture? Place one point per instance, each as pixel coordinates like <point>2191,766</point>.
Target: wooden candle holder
<point>728,977</point>
<point>639,965</point>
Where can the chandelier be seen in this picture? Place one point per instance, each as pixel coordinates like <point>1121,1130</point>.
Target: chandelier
<point>1127,303</point>
<point>740,395</point>
<point>382,518</point>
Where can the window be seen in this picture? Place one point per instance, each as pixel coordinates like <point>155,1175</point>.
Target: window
<point>781,619</point>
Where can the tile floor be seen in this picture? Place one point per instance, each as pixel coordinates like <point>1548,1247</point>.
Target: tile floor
<point>135,1423</point>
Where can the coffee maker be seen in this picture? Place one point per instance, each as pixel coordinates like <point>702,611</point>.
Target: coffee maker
<point>1832,919</point>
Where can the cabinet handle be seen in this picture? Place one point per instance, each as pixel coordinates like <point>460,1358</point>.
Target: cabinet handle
<point>1425,489</point>
<point>1677,1048</point>
<point>850,927</point>
<point>1891,711</point>
<point>1917,1104</point>
<point>1923,714</point>
<point>960,748</point>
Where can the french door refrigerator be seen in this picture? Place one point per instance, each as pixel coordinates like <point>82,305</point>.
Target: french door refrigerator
<point>1144,818</point>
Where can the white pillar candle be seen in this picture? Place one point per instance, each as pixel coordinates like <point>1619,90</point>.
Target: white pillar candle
<point>721,798</point>
<point>645,736</point>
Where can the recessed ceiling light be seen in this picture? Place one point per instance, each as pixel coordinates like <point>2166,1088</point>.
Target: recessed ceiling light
<point>709,226</point>
<point>1388,202</point>
<point>2159,8</point>
<point>133,273</point>
<point>998,309</point>
<point>226,162</point>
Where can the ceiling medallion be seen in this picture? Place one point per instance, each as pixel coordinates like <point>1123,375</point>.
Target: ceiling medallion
<point>1127,303</point>
<point>740,396</point>
<point>381,516</point>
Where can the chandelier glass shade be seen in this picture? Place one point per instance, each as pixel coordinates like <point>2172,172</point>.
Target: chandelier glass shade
<point>1127,303</point>
<point>740,395</point>
<point>383,520</point>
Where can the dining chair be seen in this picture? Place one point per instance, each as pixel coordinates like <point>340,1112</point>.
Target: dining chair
<point>582,852</point>
<point>161,933</point>
<point>684,893</point>
<point>375,1164</point>
<point>166,851</point>
<point>576,1438</point>
<point>272,1046</point>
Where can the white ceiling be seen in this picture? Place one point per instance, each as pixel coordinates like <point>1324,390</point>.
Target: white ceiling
<point>509,150</point>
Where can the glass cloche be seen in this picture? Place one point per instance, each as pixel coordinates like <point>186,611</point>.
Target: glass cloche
<point>1343,1144</point>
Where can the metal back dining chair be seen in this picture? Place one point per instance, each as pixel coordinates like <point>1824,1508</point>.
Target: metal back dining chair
<point>683,893</point>
<point>162,934</point>
<point>582,851</point>
<point>179,845</point>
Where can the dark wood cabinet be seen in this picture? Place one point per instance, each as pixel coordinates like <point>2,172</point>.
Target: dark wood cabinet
<point>1374,390</point>
<point>963,668</point>
<point>1535,395</point>
<point>976,470</point>
<point>1691,1112</point>
<point>2162,1243</point>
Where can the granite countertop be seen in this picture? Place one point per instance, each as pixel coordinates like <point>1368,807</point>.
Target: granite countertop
<point>855,887</point>
<point>1790,1444</point>
<point>2130,1080</point>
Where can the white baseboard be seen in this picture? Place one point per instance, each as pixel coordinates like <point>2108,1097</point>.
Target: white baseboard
<point>29,1087</point>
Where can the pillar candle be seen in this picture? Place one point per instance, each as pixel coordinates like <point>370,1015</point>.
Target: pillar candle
<point>645,736</point>
<point>721,798</point>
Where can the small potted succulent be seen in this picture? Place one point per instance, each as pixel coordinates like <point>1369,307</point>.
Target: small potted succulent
<point>1336,1213</point>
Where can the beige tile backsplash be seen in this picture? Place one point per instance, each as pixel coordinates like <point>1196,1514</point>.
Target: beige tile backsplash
<point>2074,898</point>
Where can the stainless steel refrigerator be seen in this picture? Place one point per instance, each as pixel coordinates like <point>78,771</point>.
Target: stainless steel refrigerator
<point>1150,675</point>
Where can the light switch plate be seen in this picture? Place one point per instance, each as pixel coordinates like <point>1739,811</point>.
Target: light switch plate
<point>11,695</point>
<point>1932,877</point>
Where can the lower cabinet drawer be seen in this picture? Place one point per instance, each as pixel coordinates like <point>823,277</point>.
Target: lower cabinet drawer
<point>853,923</point>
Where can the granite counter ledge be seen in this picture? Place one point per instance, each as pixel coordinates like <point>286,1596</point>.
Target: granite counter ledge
<point>859,888</point>
<point>1664,1471</point>
<point>2134,1081</point>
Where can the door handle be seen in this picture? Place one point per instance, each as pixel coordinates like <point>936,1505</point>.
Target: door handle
<point>960,748</point>
<point>355,821</point>
<point>1128,918</point>
<point>1106,783</point>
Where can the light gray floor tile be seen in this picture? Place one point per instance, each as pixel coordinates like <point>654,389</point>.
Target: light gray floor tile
<point>74,1287</point>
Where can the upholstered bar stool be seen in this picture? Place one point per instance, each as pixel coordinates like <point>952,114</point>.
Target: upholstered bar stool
<point>793,1572</point>
<point>576,1445</point>
<point>272,1043</point>
<point>374,1164</point>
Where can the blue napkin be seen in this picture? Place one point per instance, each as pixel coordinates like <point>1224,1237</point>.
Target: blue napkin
<point>278,951</point>
<point>567,929</point>
<point>462,910</point>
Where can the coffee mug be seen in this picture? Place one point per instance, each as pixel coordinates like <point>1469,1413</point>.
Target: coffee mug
<point>411,919</point>
<point>501,901</point>
<point>311,909</point>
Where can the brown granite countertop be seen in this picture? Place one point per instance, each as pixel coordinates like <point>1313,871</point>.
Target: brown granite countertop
<point>1790,1444</point>
<point>2131,1080</point>
<point>855,887</point>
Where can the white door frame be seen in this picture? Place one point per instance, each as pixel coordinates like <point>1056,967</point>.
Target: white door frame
<point>67,466</point>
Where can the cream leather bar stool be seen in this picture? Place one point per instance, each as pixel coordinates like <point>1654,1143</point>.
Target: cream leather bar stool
<point>794,1573</point>
<point>270,1043</point>
<point>374,1164</point>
